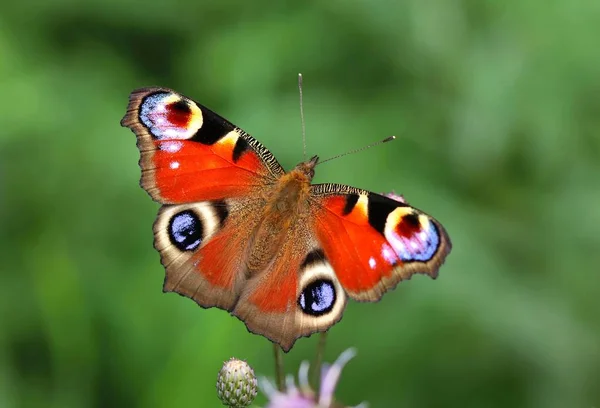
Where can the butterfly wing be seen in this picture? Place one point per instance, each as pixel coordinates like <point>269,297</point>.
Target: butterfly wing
<point>372,241</point>
<point>202,247</point>
<point>211,175</point>
<point>190,154</point>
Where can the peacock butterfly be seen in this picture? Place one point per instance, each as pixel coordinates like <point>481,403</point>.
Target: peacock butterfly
<point>238,232</point>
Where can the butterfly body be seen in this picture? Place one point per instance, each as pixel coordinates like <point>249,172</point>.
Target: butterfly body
<point>238,232</point>
<point>286,204</point>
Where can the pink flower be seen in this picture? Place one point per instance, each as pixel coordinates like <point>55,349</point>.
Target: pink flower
<point>304,397</point>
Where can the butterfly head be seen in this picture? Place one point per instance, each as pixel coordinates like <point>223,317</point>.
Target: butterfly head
<point>308,167</point>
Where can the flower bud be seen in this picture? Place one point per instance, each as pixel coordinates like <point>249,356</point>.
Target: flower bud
<point>236,383</point>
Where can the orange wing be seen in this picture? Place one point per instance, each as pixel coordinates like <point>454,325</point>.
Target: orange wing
<point>373,242</point>
<point>190,154</point>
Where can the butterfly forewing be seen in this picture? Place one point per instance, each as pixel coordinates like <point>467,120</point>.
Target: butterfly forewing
<point>189,153</point>
<point>373,242</point>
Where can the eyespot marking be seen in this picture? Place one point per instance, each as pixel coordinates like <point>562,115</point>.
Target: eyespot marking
<point>409,225</point>
<point>389,255</point>
<point>179,113</point>
<point>414,238</point>
<point>185,230</point>
<point>169,116</point>
<point>318,297</point>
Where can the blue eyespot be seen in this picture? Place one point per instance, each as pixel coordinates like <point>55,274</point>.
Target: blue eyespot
<point>318,297</point>
<point>413,241</point>
<point>185,230</point>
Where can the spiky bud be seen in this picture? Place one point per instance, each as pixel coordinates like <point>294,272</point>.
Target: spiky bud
<point>236,383</point>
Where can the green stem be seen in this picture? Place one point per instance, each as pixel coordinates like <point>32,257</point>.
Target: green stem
<point>278,367</point>
<point>318,362</point>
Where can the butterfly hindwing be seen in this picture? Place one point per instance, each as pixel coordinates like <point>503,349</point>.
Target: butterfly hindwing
<point>373,241</point>
<point>202,248</point>
<point>297,295</point>
<point>190,154</point>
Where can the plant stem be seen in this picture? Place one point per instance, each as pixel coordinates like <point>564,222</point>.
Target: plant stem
<point>278,367</point>
<point>318,363</point>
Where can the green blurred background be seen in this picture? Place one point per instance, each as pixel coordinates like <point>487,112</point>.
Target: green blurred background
<point>497,107</point>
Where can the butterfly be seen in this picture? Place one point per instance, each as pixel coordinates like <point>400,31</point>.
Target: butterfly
<point>238,232</point>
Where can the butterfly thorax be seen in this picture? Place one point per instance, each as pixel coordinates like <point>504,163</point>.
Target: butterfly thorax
<point>287,203</point>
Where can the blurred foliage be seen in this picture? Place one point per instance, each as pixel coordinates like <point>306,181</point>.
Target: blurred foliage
<point>498,111</point>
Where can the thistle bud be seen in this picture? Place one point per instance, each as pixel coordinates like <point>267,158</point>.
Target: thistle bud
<point>236,384</point>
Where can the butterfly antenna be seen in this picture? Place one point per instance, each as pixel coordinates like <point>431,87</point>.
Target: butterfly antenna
<point>387,139</point>
<point>302,115</point>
